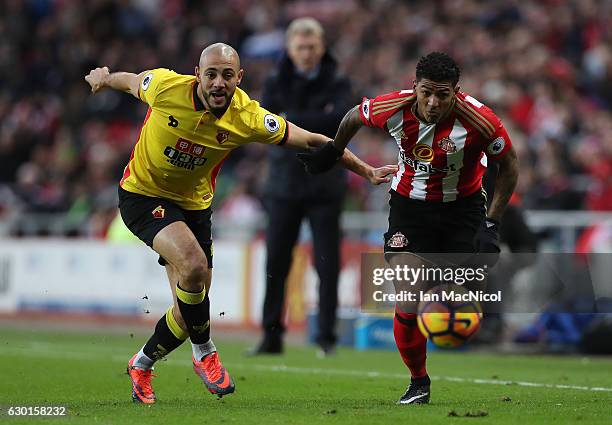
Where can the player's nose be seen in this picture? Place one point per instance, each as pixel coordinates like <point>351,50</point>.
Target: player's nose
<point>218,82</point>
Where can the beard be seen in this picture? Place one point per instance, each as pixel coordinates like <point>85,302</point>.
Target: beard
<point>213,103</point>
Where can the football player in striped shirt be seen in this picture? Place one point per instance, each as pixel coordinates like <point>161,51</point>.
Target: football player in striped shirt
<point>445,140</point>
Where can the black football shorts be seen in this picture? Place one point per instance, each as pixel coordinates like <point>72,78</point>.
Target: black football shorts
<point>145,216</point>
<point>433,227</point>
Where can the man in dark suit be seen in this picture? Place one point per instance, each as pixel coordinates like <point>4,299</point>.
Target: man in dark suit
<point>308,90</point>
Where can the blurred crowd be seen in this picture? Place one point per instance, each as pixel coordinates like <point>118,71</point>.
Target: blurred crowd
<point>544,66</point>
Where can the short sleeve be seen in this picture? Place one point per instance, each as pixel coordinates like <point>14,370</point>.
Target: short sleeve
<point>495,140</point>
<point>375,112</point>
<point>152,84</point>
<point>499,143</point>
<point>268,128</point>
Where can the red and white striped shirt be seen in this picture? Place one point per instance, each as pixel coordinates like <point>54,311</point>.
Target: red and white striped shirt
<point>443,161</point>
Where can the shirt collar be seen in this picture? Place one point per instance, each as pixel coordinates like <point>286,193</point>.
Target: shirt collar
<point>197,103</point>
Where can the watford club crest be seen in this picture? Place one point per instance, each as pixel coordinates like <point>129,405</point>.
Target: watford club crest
<point>222,136</point>
<point>447,145</point>
<point>159,212</point>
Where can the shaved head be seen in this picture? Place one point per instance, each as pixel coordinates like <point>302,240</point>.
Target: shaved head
<point>218,73</point>
<point>225,51</point>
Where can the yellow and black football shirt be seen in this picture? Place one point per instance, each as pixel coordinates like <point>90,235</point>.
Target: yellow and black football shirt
<point>182,145</point>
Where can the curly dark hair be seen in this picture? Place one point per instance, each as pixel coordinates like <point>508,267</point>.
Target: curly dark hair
<point>438,67</point>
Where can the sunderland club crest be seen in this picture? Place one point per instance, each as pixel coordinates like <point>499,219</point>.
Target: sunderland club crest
<point>398,240</point>
<point>447,145</point>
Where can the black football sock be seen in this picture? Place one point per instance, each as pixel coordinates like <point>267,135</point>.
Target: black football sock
<point>168,336</point>
<point>206,334</point>
<point>195,309</point>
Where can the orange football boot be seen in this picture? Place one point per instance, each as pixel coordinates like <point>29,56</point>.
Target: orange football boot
<point>142,392</point>
<point>214,375</point>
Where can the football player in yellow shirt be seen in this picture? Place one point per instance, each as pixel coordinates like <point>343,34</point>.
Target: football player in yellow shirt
<point>192,125</point>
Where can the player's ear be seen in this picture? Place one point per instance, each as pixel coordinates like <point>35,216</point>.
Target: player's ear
<point>414,83</point>
<point>240,75</point>
<point>197,74</point>
<point>457,88</point>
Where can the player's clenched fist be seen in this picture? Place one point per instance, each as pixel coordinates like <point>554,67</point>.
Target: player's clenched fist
<point>97,78</point>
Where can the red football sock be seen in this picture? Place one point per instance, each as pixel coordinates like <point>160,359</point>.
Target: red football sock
<point>410,342</point>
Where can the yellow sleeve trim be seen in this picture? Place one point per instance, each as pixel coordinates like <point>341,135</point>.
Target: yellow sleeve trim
<point>190,297</point>
<point>175,328</point>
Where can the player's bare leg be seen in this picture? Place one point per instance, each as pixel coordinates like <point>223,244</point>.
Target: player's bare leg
<point>179,247</point>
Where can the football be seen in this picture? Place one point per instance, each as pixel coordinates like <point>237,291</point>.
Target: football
<point>447,323</point>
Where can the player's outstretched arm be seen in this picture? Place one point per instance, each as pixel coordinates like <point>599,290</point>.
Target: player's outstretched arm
<point>323,158</point>
<point>349,126</point>
<point>321,146</point>
<point>100,78</point>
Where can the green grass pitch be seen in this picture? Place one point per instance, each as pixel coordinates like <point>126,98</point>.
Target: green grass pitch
<point>86,373</point>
